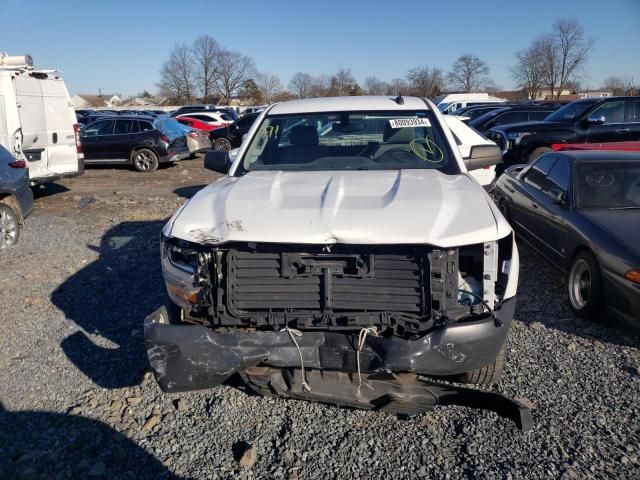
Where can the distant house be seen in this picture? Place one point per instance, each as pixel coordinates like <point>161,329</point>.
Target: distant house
<point>149,101</point>
<point>595,93</point>
<point>96,101</point>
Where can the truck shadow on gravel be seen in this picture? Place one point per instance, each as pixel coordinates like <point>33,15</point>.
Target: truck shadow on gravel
<point>109,299</point>
<point>188,192</point>
<point>52,445</point>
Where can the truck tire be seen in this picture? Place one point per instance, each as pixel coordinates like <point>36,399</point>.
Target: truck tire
<point>486,375</point>
<point>222,144</point>
<point>536,153</point>
<point>584,285</point>
<point>144,160</point>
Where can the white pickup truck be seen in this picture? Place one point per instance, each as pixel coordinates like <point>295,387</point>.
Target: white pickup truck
<point>346,251</point>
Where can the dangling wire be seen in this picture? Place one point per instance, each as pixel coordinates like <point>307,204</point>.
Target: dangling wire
<point>293,333</point>
<point>362,337</point>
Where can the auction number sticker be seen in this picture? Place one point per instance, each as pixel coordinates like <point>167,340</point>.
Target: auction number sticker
<point>409,122</point>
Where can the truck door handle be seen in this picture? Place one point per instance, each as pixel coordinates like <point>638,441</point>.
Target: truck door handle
<point>54,137</point>
<point>623,130</point>
<point>534,205</point>
<point>512,190</point>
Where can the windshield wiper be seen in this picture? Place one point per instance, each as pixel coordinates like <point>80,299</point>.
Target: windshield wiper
<point>631,207</point>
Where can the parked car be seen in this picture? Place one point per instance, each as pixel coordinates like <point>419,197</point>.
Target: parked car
<point>16,198</point>
<point>510,114</point>
<point>214,118</point>
<point>199,124</point>
<point>92,117</point>
<point>142,142</point>
<point>466,138</point>
<point>197,140</point>
<point>591,120</point>
<point>230,137</point>
<point>230,112</point>
<point>451,102</point>
<point>618,146</point>
<point>581,211</point>
<point>344,244</point>
<point>474,111</point>
<point>37,122</point>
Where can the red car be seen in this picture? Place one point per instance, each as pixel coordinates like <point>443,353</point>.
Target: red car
<point>620,146</point>
<point>199,124</point>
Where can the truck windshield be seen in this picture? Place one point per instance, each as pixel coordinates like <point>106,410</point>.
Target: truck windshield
<point>349,141</point>
<point>613,185</point>
<point>570,112</point>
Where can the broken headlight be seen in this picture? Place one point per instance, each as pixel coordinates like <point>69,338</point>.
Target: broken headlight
<point>180,268</point>
<point>180,254</point>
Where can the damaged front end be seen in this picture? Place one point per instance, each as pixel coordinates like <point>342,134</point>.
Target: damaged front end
<point>290,320</point>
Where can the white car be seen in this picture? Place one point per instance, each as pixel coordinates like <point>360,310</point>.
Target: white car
<point>466,138</point>
<point>345,252</point>
<point>220,118</point>
<point>454,101</point>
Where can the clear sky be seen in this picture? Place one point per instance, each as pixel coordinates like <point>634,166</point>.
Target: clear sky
<point>119,46</point>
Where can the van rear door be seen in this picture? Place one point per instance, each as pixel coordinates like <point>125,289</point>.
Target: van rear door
<point>60,118</point>
<point>33,124</point>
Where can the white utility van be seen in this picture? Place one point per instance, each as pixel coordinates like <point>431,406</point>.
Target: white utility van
<point>454,101</point>
<point>37,120</point>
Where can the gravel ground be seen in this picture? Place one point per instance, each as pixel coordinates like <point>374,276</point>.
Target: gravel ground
<point>77,399</point>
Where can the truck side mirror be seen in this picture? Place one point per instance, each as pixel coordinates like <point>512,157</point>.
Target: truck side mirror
<point>482,156</point>
<point>217,160</point>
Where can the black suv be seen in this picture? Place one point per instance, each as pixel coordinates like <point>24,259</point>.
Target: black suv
<point>142,142</point>
<point>510,114</point>
<point>229,137</point>
<point>592,120</point>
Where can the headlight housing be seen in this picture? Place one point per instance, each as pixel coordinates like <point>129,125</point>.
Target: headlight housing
<point>180,271</point>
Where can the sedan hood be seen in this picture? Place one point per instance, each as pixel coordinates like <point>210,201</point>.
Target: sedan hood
<point>354,207</point>
<point>617,223</point>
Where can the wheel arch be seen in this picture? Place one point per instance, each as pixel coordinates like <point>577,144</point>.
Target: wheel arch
<point>9,199</point>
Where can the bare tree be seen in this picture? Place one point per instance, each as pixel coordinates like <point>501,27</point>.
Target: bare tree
<point>205,49</point>
<point>343,83</point>
<point>528,72</point>
<point>375,86</point>
<point>617,86</point>
<point>425,81</point>
<point>572,49</point>
<point>396,86</point>
<point>321,86</point>
<point>301,85</point>
<point>468,73</point>
<point>232,70</point>
<point>270,86</point>
<point>177,75</point>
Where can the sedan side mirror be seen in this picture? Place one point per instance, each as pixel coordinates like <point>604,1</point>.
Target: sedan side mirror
<point>217,160</point>
<point>595,120</point>
<point>482,156</point>
<point>558,196</point>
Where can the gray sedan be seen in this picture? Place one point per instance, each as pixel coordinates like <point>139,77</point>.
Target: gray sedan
<point>581,211</point>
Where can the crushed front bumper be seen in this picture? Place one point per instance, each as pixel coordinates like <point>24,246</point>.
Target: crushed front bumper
<point>193,357</point>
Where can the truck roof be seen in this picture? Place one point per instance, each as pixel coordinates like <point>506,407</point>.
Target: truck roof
<point>349,104</point>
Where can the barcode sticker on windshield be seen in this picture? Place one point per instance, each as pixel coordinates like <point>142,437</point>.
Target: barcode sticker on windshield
<point>409,122</point>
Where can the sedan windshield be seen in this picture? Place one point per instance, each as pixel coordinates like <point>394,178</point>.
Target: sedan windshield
<point>614,185</point>
<point>570,112</point>
<point>349,141</point>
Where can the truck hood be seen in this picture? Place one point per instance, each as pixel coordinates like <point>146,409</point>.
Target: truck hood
<point>354,207</point>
